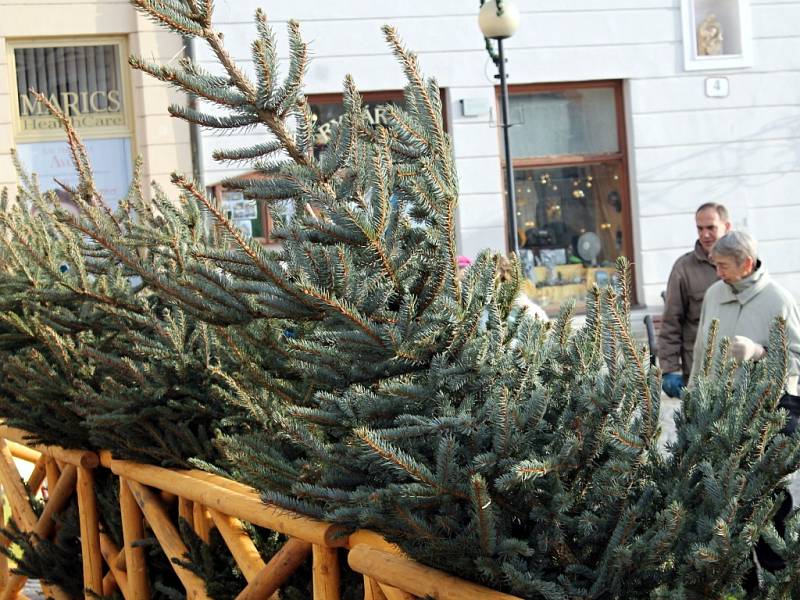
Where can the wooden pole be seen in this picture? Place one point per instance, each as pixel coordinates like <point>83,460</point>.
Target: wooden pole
<point>414,578</point>
<point>52,473</point>
<point>37,475</point>
<point>240,544</point>
<point>392,593</point>
<point>15,491</point>
<point>79,458</point>
<point>168,537</point>
<point>132,532</point>
<point>23,452</point>
<point>40,528</point>
<point>277,571</point>
<point>186,511</point>
<point>372,590</point>
<point>373,540</point>
<point>325,573</point>
<point>248,507</point>
<point>110,584</point>
<point>90,534</point>
<point>202,522</point>
<point>110,553</point>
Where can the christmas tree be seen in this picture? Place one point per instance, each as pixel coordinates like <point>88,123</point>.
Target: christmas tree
<point>356,379</point>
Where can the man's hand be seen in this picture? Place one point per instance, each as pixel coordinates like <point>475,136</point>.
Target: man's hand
<point>743,348</point>
<point>673,384</point>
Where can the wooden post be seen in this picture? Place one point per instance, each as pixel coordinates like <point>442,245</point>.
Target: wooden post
<point>23,452</point>
<point>53,473</point>
<point>239,543</point>
<point>372,590</point>
<point>117,576</point>
<point>26,518</point>
<point>17,496</point>
<point>280,567</point>
<point>202,521</point>
<point>325,573</point>
<point>247,505</point>
<point>168,537</point>
<point>133,531</point>
<point>90,534</point>
<point>392,593</point>
<point>186,511</point>
<point>405,574</point>
<point>37,475</point>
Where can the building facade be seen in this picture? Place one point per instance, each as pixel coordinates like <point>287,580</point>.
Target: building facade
<point>75,54</point>
<point>626,115</point>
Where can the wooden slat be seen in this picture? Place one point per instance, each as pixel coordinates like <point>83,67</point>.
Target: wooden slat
<point>279,568</point>
<point>325,573</point>
<point>110,584</point>
<point>373,540</point>
<point>26,519</point>
<point>90,535</point>
<point>132,532</point>
<point>392,593</point>
<point>186,511</point>
<point>202,521</point>
<point>79,458</point>
<point>168,537</point>
<point>37,475</point>
<point>23,452</point>
<point>119,577</point>
<point>240,544</point>
<point>15,490</point>
<point>52,472</point>
<point>247,507</point>
<point>414,578</point>
<point>372,589</point>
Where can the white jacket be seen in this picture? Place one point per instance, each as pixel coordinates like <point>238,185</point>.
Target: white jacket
<point>751,313</point>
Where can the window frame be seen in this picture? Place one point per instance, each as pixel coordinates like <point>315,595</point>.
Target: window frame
<point>620,156</point>
<point>128,129</point>
<point>372,97</point>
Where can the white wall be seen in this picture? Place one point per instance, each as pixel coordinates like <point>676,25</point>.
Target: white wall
<point>685,148</point>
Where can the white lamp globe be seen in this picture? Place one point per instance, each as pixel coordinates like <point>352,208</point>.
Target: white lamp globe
<point>498,28</point>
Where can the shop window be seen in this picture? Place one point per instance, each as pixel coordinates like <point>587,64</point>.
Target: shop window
<point>253,217</point>
<point>84,79</point>
<point>572,203</point>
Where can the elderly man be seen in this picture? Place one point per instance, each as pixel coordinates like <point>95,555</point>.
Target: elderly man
<point>691,276</point>
<point>745,302</point>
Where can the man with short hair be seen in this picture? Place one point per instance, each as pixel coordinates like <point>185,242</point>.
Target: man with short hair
<point>691,276</point>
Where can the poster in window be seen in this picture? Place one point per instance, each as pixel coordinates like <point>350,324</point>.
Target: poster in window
<point>110,158</point>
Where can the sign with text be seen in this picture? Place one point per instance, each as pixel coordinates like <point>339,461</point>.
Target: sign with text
<point>52,162</point>
<point>84,82</point>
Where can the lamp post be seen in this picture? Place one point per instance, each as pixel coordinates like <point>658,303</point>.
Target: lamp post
<point>498,23</point>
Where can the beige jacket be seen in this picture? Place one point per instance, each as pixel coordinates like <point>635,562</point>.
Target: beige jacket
<point>751,313</point>
<point>691,276</point>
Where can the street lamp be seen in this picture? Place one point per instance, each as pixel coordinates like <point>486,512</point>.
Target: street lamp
<point>498,20</point>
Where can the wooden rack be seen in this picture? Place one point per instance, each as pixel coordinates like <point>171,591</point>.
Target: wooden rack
<point>205,501</point>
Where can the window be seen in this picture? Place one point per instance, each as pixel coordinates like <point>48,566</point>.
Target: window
<point>86,80</point>
<point>327,110</point>
<point>717,34</point>
<point>569,164</point>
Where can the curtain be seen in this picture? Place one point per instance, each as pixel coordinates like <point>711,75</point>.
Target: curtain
<point>79,71</point>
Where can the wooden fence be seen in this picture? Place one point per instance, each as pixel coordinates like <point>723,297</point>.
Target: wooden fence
<point>205,501</point>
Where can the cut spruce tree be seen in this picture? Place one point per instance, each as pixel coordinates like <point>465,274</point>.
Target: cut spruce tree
<point>359,381</point>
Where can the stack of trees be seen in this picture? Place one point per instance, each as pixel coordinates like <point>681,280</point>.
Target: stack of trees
<point>349,375</point>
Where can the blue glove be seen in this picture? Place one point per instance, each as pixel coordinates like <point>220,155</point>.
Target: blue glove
<point>673,384</point>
